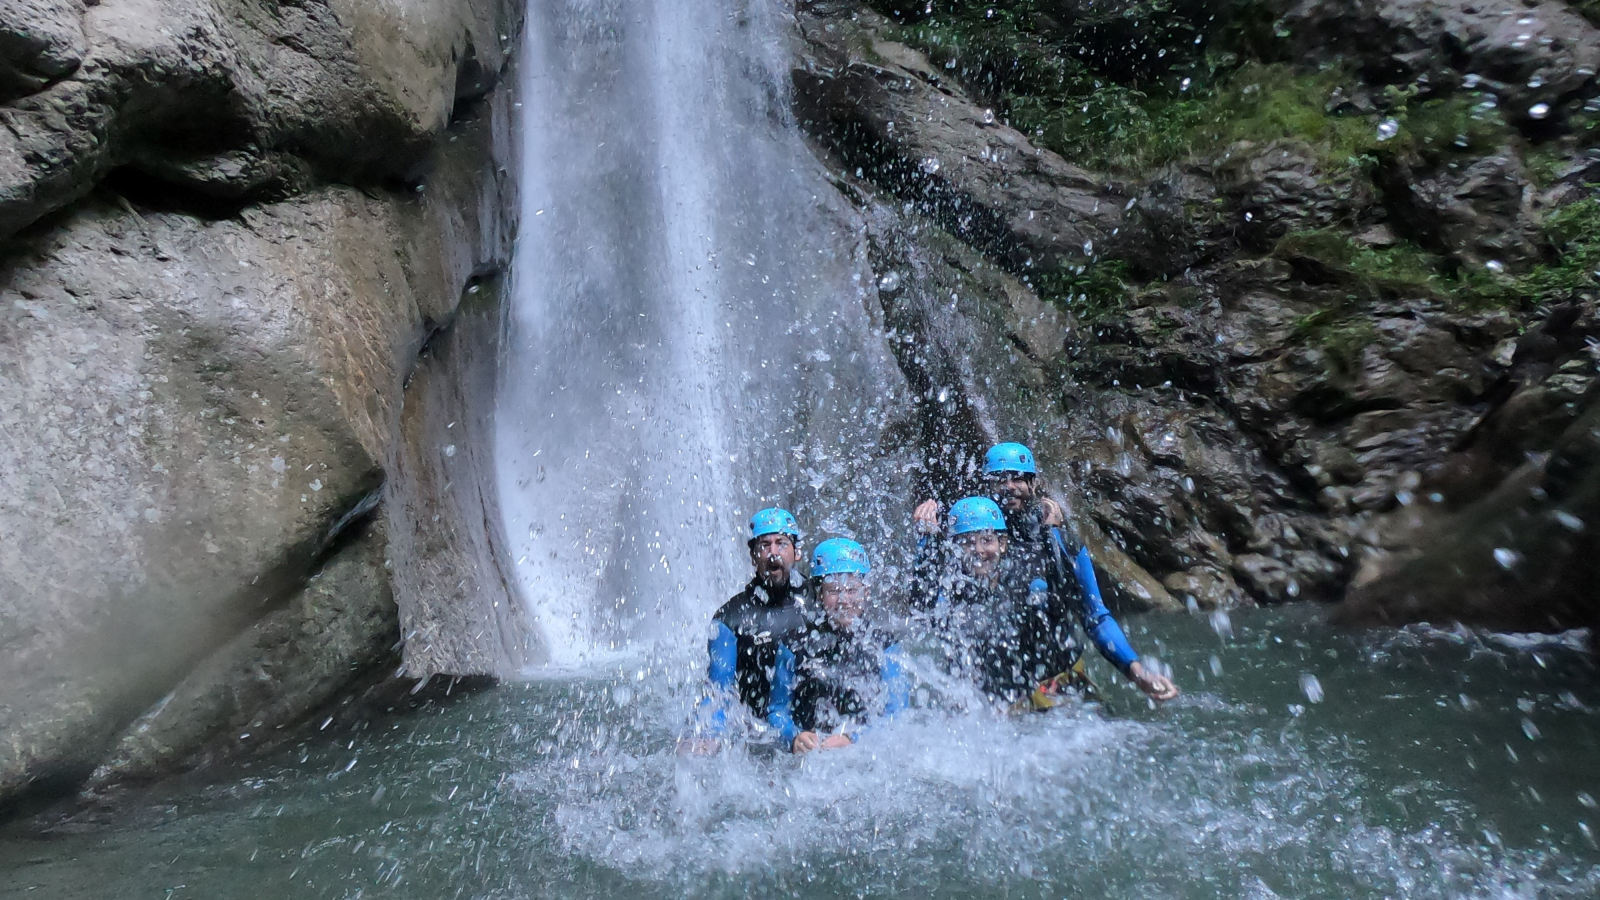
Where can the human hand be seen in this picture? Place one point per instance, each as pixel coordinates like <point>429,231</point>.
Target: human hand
<point>926,517</point>
<point>835,741</point>
<point>1051,510</point>
<point>805,742</point>
<point>1157,687</point>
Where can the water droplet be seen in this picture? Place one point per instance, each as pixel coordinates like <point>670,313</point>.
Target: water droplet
<point>1388,128</point>
<point>1222,624</point>
<point>450,450</point>
<point>622,694</point>
<point>1539,110</point>
<point>1530,729</point>
<point>1088,248</point>
<point>988,117</point>
<point>1586,799</point>
<point>1311,687</point>
<point>1471,81</point>
<point>1507,557</point>
<point>1184,84</point>
<point>1296,710</point>
<point>1495,266</point>
<point>1569,521</point>
<point>890,282</point>
<point>1535,83</point>
<point>930,165</point>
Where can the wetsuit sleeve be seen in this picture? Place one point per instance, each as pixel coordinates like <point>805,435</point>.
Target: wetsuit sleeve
<point>780,704</point>
<point>896,681</point>
<point>1098,622</point>
<point>724,652</point>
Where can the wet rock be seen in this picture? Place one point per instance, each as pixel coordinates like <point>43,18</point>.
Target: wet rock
<point>41,42</point>
<point>1522,558</point>
<point>1178,220</point>
<point>1207,587</point>
<point>1481,214</point>
<point>887,111</point>
<point>197,406</point>
<point>1527,54</point>
<point>293,660</point>
<point>347,89</point>
<point>1282,187</point>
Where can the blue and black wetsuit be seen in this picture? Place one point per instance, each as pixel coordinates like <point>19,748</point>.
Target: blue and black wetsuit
<point>746,634</point>
<point>1066,567</point>
<point>1007,631</point>
<point>1018,630</point>
<point>829,681</point>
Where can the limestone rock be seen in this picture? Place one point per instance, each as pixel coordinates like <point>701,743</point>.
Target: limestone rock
<point>352,91</point>
<point>295,659</point>
<point>1480,214</point>
<point>41,42</point>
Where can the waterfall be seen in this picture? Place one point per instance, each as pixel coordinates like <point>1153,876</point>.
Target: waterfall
<point>693,332</point>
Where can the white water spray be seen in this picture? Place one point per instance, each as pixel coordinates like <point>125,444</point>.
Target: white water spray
<point>690,338</point>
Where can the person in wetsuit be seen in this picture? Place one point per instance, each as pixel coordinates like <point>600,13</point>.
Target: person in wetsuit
<point>829,679</point>
<point>747,630</point>
<point>992,619</point>
<point>1040,552</point>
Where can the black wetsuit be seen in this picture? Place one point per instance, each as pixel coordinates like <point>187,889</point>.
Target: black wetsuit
<point>747,631</point>
<point>827,680</point>
<point>1013,631</point>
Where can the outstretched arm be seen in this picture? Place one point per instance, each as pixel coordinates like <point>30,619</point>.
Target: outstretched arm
<point>1103,628</point>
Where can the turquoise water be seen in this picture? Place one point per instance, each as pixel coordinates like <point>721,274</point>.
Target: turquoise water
<point>1301,762</point>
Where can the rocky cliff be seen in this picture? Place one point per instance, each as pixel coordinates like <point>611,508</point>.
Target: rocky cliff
<point>248,250</point>
<point>1297,298</point>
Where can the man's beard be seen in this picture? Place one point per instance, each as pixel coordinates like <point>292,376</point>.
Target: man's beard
<point>774,577</point>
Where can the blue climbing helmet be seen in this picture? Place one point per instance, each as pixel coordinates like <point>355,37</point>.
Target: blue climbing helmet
<point>976,514</point>
<point>839,556</point>
<point>1009,457</point>
<point>774,521</point>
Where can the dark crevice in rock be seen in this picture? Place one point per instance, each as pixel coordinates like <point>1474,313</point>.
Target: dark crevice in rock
<point>143,190</point>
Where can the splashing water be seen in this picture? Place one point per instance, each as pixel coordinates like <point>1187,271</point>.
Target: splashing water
<point>1438,764</point>
<point>677,281</point>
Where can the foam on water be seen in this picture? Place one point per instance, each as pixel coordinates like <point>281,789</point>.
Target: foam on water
<point>1068,804</point>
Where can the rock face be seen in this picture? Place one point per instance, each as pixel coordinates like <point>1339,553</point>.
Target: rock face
<point>1269,398</point>
<point>1527,55</point>
<point>232,229</point>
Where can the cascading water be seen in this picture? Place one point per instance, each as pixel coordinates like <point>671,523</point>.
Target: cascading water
<point>691,340</point>
<point>690,337</point>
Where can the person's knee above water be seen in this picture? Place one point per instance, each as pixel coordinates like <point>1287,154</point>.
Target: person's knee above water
<point>829,680</point>
<point>747,630</point>
<point>1037,543</point>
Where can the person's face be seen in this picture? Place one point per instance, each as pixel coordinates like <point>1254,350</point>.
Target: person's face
<point>774,556</point>
<point>981,552</point>
<point>843,597</point>
<point>1012,490</point>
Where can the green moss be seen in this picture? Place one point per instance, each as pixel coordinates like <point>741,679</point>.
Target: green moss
<point>1090,291</point>
<point>1174,87</point>
<point>1374,272</point>
<point>1574,233</point>
<point>1342,333</point>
